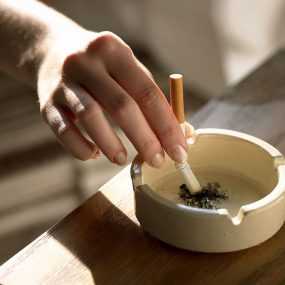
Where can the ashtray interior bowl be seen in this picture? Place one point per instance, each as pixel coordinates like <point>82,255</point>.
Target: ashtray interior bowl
<point>249,169</point>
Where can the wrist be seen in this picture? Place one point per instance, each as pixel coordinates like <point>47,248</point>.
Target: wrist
<point>55,41</point>
<point>57,45</point>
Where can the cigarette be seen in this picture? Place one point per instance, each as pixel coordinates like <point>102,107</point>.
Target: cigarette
<point>177,104</point>
<point>177,97</point>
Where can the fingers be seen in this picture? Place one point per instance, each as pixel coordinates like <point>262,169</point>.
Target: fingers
<point>91,117</point>
<point>134,79</point>
<point>127,114</point>
<point>190,133</point>
<point>68,134</point>
<point>122,86</point>
<point>121,107</point>
<point>189,130</point>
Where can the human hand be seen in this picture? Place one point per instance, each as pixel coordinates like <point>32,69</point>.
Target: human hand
<point>85,73</point>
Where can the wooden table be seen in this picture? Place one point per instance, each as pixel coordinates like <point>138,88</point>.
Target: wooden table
<point>102,243</point>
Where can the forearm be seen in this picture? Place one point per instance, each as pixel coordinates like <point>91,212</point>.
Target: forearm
<point>27,31</point>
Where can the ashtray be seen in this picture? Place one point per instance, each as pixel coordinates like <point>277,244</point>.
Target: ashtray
<point>248,168</point>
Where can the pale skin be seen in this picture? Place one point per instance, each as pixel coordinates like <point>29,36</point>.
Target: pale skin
<point>79,76</point>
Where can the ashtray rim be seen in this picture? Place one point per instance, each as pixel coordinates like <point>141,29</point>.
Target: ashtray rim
<point>273,196</point>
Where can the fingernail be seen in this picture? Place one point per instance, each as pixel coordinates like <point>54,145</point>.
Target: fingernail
<point>121,158</point>
<point>178,153</point>
<point>157,160</point>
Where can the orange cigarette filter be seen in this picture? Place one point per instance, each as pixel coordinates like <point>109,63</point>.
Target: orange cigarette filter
<point>176,96</point>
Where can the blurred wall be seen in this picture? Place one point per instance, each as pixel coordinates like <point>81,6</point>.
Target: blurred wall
<point>249,32</point>
<point>212,42</point>
<point>180,34</point>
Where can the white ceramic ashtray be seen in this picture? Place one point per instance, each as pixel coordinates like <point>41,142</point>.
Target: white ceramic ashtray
<point>251,170</point>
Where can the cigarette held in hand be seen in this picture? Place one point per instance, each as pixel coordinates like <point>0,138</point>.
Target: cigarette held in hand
<point>177,104</point>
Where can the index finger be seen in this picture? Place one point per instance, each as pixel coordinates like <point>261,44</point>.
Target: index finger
<point>134,78</point>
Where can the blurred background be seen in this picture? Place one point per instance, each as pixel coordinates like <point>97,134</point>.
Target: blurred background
<point>213,43</point>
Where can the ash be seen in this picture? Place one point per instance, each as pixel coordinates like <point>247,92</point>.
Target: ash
<point>208,198</point>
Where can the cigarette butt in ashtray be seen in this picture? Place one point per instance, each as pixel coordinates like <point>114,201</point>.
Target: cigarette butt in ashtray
<point>177,104</point>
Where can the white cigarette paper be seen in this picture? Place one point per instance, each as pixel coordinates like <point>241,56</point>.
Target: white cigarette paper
<point>188,177</point>
<point>187,174</point>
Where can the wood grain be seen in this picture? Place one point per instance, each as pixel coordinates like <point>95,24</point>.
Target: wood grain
<point>102,243</point>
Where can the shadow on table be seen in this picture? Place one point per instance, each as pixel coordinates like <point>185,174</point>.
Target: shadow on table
<point>117,251</point>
